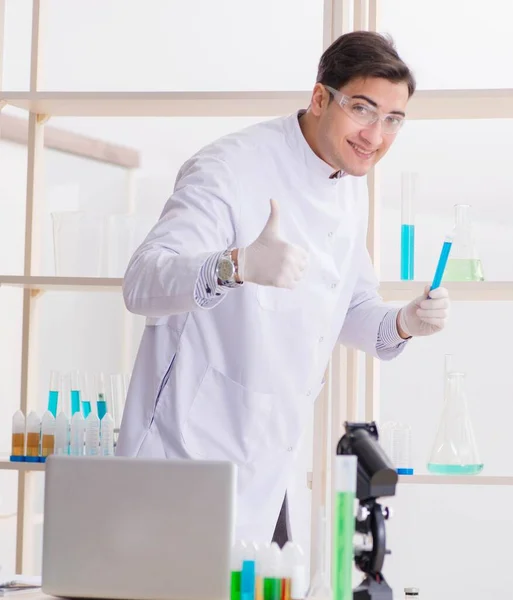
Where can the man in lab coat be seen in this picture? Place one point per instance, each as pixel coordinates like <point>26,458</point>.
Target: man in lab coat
<point>256,269</point>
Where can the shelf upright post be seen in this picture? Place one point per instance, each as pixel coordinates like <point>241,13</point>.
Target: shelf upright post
<point>34,195</point>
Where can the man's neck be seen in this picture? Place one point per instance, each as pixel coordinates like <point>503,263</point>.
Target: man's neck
<point>308,128</point>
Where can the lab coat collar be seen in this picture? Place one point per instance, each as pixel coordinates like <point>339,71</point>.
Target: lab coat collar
<point>298,143</point>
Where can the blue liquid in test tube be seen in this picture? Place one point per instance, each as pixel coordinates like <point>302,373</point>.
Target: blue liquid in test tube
<point>75,392</point>
<point>53,393</point>
<point>408,184</point>
<point>442,262</point>
<point>86,408</point>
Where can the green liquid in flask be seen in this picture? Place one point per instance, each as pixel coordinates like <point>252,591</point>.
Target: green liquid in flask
<point>438,469</point>
<point>463,269</point>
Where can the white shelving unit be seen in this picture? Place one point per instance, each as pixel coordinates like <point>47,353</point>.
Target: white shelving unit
<point>339,399</point>
<point>77,284</point>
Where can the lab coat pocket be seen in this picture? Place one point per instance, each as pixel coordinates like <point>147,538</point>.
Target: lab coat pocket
<point>228,422</point>
<point>280,299</point>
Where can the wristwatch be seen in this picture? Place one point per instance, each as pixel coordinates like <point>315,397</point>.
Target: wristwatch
<point>226,270</point>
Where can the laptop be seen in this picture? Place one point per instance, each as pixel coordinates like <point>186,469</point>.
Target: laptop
<point>137,528</point>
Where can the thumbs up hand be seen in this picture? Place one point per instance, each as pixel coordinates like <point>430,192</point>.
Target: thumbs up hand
<point>270,260</point>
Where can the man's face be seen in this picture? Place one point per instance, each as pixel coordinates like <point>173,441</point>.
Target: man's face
<point>345,138</point>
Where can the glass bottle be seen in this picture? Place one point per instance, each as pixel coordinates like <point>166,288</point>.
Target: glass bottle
<point>464,263</point>
<point>455,450</point>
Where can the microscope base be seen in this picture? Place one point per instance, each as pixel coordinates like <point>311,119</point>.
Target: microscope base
<point>372,590</point>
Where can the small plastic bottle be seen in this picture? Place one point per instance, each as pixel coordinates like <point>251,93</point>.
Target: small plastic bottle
<point>273,573</point>
<point>411,593</point>
<point>33,437</point>
<point>293,561</point>
<point>107,435</point>
<point>76,445</point>
<point>260,566</point>
<point>18,437</point>
<point>47,435</point>
<point>248,574</point>
<point>101,401</point>
<point>238,552</point>
<point>92,435</point>
<point>62,434</point>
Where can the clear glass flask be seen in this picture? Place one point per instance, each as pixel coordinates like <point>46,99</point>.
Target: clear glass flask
<point>455,450</point>
<point>464,263</point>
<point>408,188</point>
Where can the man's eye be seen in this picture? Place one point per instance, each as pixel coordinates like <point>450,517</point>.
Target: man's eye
<point>393,120</point>
<point>360,109</point>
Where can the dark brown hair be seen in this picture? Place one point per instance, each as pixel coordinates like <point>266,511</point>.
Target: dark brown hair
<point>362,54</point>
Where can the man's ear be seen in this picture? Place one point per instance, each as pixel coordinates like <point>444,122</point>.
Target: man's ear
<point>320,100</point>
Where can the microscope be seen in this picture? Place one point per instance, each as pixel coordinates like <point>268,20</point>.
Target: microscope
<point>376,477</point>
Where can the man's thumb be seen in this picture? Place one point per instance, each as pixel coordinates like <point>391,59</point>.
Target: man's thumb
<point>273,222</point>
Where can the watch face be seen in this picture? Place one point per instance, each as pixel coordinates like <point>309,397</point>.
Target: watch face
<point>226,270</point>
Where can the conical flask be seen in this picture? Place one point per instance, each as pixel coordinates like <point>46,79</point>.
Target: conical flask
<point>464,263</point>
<point>455,450</point>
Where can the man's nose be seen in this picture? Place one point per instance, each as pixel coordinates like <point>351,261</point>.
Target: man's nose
<point>373,134</point>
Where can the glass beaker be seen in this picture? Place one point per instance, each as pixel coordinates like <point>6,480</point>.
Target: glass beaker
<point>78,239</point>
<point>464,263</point>
<point>455,450</point>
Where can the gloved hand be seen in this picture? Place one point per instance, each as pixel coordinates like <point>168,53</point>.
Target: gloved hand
<point>425,316</point>
<point>270,260</point>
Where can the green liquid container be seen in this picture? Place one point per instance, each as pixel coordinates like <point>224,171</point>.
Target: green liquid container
<point>464,263</point>
<point>344,526</point>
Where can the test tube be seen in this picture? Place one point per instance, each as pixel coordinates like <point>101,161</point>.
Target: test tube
<point>117,398</point>
<point>53,393</point>
<point>76,444</point>
<point>75,392</point>
<point>344,526</point>
<point>47,435</point>
<point>62,434</point>
<point>92,435</point>
<point>408,190</point>
<point>33,437</point>
<point>107,435</point>
<point>101,400</point>
<point>18,437</point>
<point>87,394</point>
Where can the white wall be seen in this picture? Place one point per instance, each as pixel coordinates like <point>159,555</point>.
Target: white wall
<point>439,535</point>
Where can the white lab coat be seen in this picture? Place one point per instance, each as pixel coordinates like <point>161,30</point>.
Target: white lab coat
<point>235,381</point>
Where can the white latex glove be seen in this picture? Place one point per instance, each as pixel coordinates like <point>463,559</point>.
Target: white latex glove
<point>425,316</point>
<point>270,260</point>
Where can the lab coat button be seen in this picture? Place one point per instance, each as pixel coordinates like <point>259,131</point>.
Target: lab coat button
<point>321,339</point>
<point>333,286</point>
<point>309,393</point>
<point>330,234</point>
<point>289,449</point>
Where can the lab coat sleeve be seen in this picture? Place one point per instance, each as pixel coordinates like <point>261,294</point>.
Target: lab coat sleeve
<point>198,221</point>
<point>370,322</point>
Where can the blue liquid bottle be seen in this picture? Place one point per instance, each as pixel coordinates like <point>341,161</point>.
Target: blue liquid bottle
<point>408,189</point>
